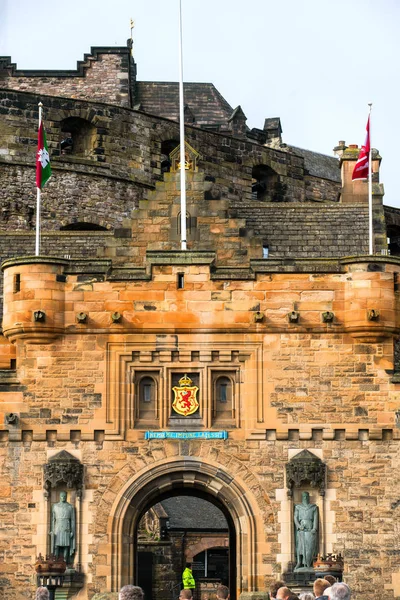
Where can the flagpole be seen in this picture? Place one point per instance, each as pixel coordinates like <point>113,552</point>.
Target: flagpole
<point>371,232</point>
<point>38,193</point>
<point>182,136</point>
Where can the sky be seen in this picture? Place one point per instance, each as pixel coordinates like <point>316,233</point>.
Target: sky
<point>316,64</point>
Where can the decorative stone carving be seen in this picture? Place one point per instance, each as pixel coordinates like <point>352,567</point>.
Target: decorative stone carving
<point>191,158</point>
<point>39,316</point>
<point>63,469</point>
<point>305,468</point>
<point>293,317</point>
<point>328,316</point>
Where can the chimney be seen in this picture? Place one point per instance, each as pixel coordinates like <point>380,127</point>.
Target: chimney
<point>237,122</point>
<point>356,192</point>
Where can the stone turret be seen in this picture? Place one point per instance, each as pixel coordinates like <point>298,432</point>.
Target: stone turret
<point>34,299</point>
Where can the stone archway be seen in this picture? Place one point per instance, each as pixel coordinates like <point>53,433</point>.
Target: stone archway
<point>212,480</point>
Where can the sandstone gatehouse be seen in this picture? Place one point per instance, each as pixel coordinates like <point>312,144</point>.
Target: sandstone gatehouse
<point>276,321</point>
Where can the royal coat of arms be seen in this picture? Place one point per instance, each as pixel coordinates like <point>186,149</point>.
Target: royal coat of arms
<point>185,401</point>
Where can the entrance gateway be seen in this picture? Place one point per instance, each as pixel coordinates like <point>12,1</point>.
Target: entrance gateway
<point>247,516</point>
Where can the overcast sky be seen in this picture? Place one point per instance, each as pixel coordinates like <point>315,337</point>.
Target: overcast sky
<point>314,63</point>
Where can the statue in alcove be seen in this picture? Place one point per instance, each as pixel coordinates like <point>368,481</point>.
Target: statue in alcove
<point>63,529</point>
<point>306,522</point>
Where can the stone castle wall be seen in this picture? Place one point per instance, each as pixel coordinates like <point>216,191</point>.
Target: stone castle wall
<point>126,153</point>
<point>362,522</point>
<point>103,76</point>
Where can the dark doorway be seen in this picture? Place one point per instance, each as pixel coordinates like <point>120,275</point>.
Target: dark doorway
<point>145,572</point>
<point>185,526</point>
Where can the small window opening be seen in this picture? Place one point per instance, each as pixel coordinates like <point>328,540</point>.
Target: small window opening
<point>266,185</point>
<point>147,392</point>
<point>17,283</point>
<point>78,137</point>
<point>222,388</point>
<point>265,251</point>
<point>13,364</point>
<point>181,281</point>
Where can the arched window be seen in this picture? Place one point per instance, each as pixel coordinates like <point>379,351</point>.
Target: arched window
<point>223,404</point>
<point>146,398</point>
<point>78,137</point>
<point>266,184</point>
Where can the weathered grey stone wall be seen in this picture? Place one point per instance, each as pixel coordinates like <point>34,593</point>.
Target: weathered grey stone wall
<point>102,76</point>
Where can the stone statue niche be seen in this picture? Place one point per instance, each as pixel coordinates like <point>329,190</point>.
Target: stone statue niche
<point>305,477</point>
<point>63,483</point>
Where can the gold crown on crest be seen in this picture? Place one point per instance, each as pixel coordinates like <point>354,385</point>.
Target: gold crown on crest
<point>185,381</point>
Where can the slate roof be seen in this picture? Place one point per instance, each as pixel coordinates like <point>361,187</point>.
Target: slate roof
<point>319,165</point>
<point>204,100</point>
<point>307,229</point>
<point>189,512</point>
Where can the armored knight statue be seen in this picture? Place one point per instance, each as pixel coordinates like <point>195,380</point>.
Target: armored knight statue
<point>306,524</point>
<point>63,529</point>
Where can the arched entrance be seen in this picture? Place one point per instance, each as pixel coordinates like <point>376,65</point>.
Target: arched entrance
<point>185,526</point>
<point>203,479</point>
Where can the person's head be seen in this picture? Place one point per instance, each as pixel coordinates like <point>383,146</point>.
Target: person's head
<point>42,593</point>
<point>283,593</point>
<point>185,595</point>
<point>274,587</point>
<point>330,578</point>
<point>340,591</point>
<point>131,592</point>
<point>293,596</point>
<point>327,591</point>
<point>63,496</point>
<point>307,596</point>
<point>222,592</point>
<point>320,586</point>
<point>188,565</point>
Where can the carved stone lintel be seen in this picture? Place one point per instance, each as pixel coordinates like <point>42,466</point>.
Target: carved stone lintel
<point>63,468</point>
<point>305,467</point>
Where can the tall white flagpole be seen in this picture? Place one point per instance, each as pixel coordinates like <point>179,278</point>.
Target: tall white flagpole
<point>371,232</point>
<point>38,192</point>
<point>182,136</point>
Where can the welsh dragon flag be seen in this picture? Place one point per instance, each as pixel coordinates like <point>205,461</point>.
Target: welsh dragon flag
<point>43,168</point>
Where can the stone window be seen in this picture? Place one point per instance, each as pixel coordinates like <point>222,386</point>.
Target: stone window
<point>223,401</point>
<point>78,137</point>
<point>17,283</point>
<point>266,185</point>
<point>146,394</point>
